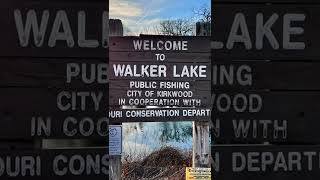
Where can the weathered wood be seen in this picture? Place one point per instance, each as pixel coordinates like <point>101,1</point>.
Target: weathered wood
<point>96,28</point>
<point>30,88</point>
<point>45,72</point>
<point>286,75</point>
<point>265,162</point>
<point>115,161</point>
<point>193,85</point>
<point>201,146</point>
<point>116,27</point>
<point>203,28</point>
<point>195,44</point>
<point>115,168</point>
<point>42,100</point>
<point>181,53</point>
<point>302,43</point>
<point>150,56</point>
<point>20,105</point>
<point>173,71</point>
<point>280,116</point>
<point>52,164</point>
<point>156,100</point>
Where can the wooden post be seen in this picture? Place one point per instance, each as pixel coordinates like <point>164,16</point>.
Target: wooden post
<point>115,169</point>
<point>203,29</point>
<point>200,133</point>
<point>201,146</point>
<point>116,27</point>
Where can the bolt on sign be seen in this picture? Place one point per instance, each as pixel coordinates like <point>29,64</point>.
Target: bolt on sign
<point>198,173</point>
<point>263,72</point>
<point>159,78</point>
<point>53,69</point>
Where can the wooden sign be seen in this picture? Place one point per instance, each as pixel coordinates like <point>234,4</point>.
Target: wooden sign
<point>149,55</point>
<point>53,85</point>
<point>258,116</point>
<point>53,98</point>
<point>265,31</point>
<point>54,29</point>
<point>54,164</point>
<point>245,162</point>
<point>169,74</point>
<point>269,101</point>
<point>53,72</point>
<point>168,44</point>
<point>156,114</point>
<point>263,72</point>
<point>265,75</point>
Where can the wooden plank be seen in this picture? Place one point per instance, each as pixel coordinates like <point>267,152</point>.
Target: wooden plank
<point>70,43</point>
<point>201,146</point>
<point>120,115</point>
<point>167,44</point>
<point>55,164</point>
<point>22,108</point>
<point>131,59</point>
<point>265,75</point>
<point>170,57</point>
<point>116,27</point>
<point>115,161</point>
<point>115,168</point>
<point>265,162</point>
<point>30,87</point>
<point>160,71</point>
<point>180,98</point>
<point>53,72</point>
<point>261,116</point>
<point>291,32</point>
<point>190,85</point>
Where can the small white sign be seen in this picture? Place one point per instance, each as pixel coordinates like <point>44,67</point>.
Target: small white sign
<point>115,140</point>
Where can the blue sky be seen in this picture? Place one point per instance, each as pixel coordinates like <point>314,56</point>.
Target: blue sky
<point>141,15</point>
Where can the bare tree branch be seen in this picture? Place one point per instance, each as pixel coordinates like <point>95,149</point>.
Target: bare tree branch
<point>178,27</point>
<point>203,13</point>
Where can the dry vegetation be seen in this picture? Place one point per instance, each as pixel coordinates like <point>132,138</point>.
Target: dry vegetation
<point>166,163</point>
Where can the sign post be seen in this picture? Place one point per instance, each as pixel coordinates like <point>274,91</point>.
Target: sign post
<point>115,151</point>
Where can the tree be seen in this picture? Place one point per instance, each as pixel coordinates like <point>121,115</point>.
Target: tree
<point>185,26</point>
<point>178,27</point>
<point>203,14</point>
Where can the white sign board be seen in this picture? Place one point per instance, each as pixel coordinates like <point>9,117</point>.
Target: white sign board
<point>115,140</point>
<point>198,173</point>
